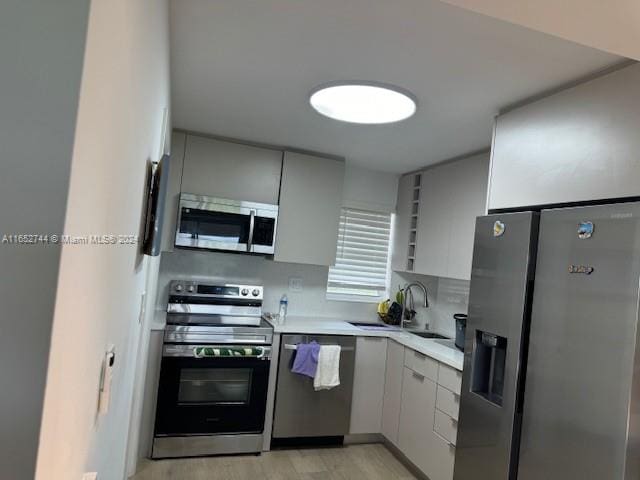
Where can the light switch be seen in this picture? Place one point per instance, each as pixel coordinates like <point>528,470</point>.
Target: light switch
<point>90,476</point>
<point>295,284</point>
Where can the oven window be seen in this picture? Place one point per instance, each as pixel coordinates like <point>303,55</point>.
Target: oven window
<point>215,226</point>
<point>202,386</point>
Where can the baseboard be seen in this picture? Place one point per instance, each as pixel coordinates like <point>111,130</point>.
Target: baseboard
<point>404,460</point>
<point>363,438</point>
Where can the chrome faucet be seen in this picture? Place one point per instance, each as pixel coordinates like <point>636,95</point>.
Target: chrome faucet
<point>407,292</point>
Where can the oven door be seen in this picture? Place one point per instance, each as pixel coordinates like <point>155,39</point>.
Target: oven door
<point>220,224</point>
<point>214,395</point>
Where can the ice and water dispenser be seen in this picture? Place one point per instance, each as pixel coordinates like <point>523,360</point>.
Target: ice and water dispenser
<point>489,366</point>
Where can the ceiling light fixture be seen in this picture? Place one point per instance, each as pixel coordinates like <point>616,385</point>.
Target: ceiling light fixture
<point>363,102</point>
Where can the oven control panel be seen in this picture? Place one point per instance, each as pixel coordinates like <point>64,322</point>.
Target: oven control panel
<point>227,290</point>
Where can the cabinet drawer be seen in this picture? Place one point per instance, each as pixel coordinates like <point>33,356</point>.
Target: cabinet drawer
<point>445,426</point>
<point>445,453</point>
<point>421,363</point>
<point>448,402</point>
<point>449,378</point>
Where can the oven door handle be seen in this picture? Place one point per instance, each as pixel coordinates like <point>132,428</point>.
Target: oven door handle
<point>188,351</point>
<point>252,224</point>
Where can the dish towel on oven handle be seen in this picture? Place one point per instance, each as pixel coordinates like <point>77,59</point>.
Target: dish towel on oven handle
<point>328,371</point>
<point>202,352</point>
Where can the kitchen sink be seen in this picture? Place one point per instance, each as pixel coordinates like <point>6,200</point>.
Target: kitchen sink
<point>424,334</point>
<point>373,326</point>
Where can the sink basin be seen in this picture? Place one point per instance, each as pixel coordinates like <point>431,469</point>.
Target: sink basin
<point>373,326</point>
<point>424,334</point>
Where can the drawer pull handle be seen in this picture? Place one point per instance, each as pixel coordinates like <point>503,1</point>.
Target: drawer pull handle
<point>451,445</point>
<point>417,376</point>
<point>419,355</point>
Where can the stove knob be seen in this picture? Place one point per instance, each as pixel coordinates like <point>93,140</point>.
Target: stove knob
<point>245,292</point>
<point>178,288</point>
<point>255,292</point>
<point>190,289</point>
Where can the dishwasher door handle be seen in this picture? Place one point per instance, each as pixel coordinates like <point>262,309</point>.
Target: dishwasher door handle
<point>289,346</point>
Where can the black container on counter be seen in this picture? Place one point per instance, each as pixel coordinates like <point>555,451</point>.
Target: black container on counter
<point>461,327</point>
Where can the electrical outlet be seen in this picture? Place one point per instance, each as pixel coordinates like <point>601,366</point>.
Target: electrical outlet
<point>295,284</point>
<point>90,476</point>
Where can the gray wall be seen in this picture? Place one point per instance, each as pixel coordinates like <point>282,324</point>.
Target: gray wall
<point>41,53</point>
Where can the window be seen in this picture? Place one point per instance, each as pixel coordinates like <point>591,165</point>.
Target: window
<point>362,260</point>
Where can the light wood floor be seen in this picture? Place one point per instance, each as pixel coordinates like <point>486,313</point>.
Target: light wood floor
<point>353,462</point>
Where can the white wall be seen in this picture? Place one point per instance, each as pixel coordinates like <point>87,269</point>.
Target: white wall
<point>41,53</point>
<point>234,268</point>
<point>124,95</point>
<point>612,26</point>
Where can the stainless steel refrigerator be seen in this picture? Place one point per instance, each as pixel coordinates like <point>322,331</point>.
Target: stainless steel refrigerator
<point>551,376</point>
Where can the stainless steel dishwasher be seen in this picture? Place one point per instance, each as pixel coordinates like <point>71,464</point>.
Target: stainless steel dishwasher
<point>300,411</point>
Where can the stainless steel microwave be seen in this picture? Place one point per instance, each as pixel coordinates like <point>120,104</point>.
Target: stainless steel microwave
<point>221,224</point>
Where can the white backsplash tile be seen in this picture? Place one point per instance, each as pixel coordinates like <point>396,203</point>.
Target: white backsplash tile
<point>275,276</point>
<point>446,297</point>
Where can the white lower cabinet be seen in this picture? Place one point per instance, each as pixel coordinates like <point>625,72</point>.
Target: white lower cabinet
<point>416,419</point>
<point>428,424</point>
<point>409,397</point>
<point>392,391</point>
<point>368,385</point>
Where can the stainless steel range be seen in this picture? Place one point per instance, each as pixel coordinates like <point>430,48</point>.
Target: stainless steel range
<point>214,374</point>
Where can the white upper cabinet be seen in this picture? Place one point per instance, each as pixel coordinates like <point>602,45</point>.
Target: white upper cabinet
<point>236,171</point>
<point>400,254</point>
<point>432,246</point>
<point>437,229</point>
<point>467,201</point>
<point>580,144</point>
<point>310,203</point>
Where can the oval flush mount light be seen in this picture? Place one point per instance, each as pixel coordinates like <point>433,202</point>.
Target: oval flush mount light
<point>363,102</point>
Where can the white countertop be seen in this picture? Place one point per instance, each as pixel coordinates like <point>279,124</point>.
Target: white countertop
<point>332,326</point>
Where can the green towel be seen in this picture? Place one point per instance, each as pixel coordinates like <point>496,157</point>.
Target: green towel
<point>200,352</point>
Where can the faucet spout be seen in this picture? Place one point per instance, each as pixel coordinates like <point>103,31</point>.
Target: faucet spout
<point>407,292</point>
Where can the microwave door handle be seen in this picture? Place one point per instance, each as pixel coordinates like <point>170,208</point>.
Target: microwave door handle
<point>252,223</point>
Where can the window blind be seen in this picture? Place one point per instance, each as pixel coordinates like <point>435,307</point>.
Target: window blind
<point>362,256</point>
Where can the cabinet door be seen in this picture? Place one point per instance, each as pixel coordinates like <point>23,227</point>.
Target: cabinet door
<point>401,227</point>
<point>231,170</point>
<point>392,391</point>
<point>442,453</point>
<point>415,434</point>
<point>310,202</point>
<point>467,201</point>
<point>368,385</point>
<point>432,249</point>
<point>178,140</point>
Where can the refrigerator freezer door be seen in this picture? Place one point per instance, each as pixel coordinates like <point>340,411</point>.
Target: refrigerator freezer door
<point>581,399</point>
<point>501,277</point>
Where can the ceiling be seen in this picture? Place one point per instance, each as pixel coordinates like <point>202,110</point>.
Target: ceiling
<point>244,69</point>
